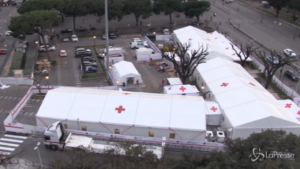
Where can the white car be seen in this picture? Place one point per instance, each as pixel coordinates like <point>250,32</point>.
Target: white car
<point>65,39</point>
<point>289,52</point>
<point>74,38</point>
<point>8,33</point>
<point>43,48</point>
<point>166,32</point>
<point>63,53</point>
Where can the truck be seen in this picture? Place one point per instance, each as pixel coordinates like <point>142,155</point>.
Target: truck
<point>144,51</point>
<point>112,51</point>
<point>56,138</point>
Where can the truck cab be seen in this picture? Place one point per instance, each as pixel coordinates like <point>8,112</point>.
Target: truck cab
<point>54,136</point>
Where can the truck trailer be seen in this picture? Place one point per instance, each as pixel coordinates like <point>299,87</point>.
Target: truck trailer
<point>56,138</point>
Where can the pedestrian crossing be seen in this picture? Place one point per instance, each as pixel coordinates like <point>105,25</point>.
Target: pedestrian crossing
<point>8,143</point>
<point>22,112</point>
<point>18,98</point>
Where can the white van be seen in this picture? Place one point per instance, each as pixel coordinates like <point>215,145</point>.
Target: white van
<point>144,51</point>
<point>112,51</point>
<point>138,43</point>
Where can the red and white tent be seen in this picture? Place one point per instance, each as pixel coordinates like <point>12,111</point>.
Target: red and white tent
<point>292,107</point>
<point>181,90</point>
<point>213,113</point>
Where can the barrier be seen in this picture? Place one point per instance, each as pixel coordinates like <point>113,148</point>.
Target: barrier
<point>146,58</point>
<point>16,81</point>
<point>163,37</point>
<point>152,45</point>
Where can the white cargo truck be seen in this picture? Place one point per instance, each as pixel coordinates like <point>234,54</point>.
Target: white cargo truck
<point>55,134</point>
<point>144,51</point>
<point>112,51</point>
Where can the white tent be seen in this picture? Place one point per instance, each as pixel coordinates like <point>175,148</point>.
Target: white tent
<point>246,105</point>
<point>181,90</point>
<point>213,113</point>
<point>292,107</point>
<point>126,113</point>
<point>218,45</point>
<point>125,73</point>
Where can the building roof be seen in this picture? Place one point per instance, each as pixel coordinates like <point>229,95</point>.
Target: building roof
<point>125,68</point>
<point>242,99</point>
<point>178,89</point>
<point>124,108</point>
<point>218,45</point>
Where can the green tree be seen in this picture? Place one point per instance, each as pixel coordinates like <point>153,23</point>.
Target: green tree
<point>74,8</point>
<point>115,9</point>
<point>33,5</point>
<point>140,8</point>
<point>168,6</point>
<point>278,5</point>
<point>196,9</point>
<point>40,21</point>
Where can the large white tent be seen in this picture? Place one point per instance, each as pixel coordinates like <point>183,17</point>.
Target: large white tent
<point>125,73</point>
<point>292,107</point>
<point>181,90</point>
<point>246,105</point>
<point>218,45</point>
<point>126,113</point>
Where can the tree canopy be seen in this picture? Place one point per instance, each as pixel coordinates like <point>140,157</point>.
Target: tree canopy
<point>278,5</point>
<point>140,8</point>
<point>196,8</point>
<point>32,5</point>
<point>168,6</point>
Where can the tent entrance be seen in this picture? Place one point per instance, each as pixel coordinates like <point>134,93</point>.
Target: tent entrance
<point>130,81</point>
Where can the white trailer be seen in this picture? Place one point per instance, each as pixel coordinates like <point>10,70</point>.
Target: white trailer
<point>54,139</point>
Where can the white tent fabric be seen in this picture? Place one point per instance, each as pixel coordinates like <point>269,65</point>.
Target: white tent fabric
<point>123,71</point>
<point>124,108</point>
<point>181,90</point>
<point>243,100</point>
<point>218,44</point>
<point>292,107</point>
<point>213,113</point>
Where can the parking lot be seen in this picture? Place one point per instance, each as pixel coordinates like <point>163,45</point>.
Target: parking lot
<point>66,72</point>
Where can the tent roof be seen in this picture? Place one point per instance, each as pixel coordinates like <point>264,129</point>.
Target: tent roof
<point>125,68</point>
<point>174,81</point>
<point>212,108</point>
<point>218,44</point>
<point>124,108</point>
<point>237,91</point>
<point>292,107</point>
<point>180,89</point>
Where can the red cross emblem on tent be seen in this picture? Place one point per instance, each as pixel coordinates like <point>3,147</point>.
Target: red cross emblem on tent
<point>224,84</point>
<point>288,105</point>
<point>190,39</point>
<point>227,48</point>
<point>182,88</point>
<point>169,88</point>
<point>298,113</point>
<point>252,84</point>
<point>216,37</point>
<point>208,39</point>
<point>233,54</point>
<point>126,93</point>
<point>120,109</point>
<point>213,109</point>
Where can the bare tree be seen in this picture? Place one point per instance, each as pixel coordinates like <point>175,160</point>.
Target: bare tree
<point>5,160</point>
<point>271,66</point>
<point>189,59</point>
<point>245,52</point>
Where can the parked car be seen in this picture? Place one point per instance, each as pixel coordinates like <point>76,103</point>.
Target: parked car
<point>89,62</point>
<point>82,53</point>
<point>50,48</point>
<point>228,1</point>
<point>166,32</point>
<point>3,51</point>
<point>84,50</point>
<point>289,52</point>
<point>66,31</point>
<point>66,39</point>
<point>81,30</point>
<point>113,35</point>
<point>8,33</point>
<point>197,23</point>
<point>103,36</point>
<point>74,38</point>
<point>291,75</point>
<point>63,53</point>
<point>272,59</point>
<point>89,69</point>
<point>89,58</point>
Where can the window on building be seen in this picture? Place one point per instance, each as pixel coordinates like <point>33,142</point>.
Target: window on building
<point>83,128</point>
<point>172,135</point>
<point>117,131</point>
<point>151,134</point>
<point>66,126</point>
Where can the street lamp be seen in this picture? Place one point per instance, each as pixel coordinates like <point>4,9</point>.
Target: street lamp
<point>36,42</point>
<point>94,40</point>
<point>117,82</point>
<point>47,79</point>
<point>37,148</point>
<point>203,94</point>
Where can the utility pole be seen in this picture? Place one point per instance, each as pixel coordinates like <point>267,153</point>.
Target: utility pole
<point>106,34</point>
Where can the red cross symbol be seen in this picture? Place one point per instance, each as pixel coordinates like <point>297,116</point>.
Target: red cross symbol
<point>233,54</point>
<point>288,105</point>
<point>182,88</point>
<point>213,109</point>
<point>227,48</point>
<point>126,93</point>
<point>120,109</point>
<point>169,88</point>
<point>298,113</point>
<point>194,87</point>
<point>216,37</point>
<point>190,39</point>
<point>208,39</point>
<point>252,84</point>
<point>224,84</point>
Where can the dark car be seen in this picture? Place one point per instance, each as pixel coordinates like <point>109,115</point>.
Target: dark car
<point>82,53</point>
<point>272,60</point>
<point>89,69</point>
<point>81,30</point>
<point>113,35</point>
<point>66,31</point>
<point>103,36</point>
<point>291,75</point>
<point>87,65</point>
<point>89,58</point>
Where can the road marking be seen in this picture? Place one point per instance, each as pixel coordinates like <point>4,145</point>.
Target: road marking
<point>14,136</point>
<point>31,114</point>
<point>5,97</point>
<point>10,98</point>
<point>11,140</point>
<point>4,153</point>
<point>15,98</point>
<point>38,100</point>
<point>25,113</point>
<point>19,98</point>
<point>1,97</point>
<point>6,148</point>
<point>9,144</point>
<point>33,100</point>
